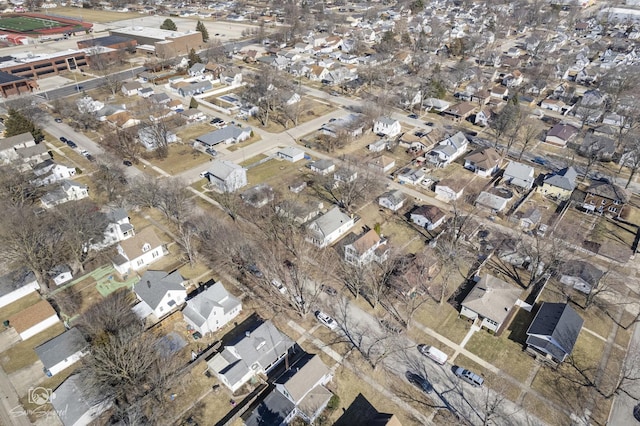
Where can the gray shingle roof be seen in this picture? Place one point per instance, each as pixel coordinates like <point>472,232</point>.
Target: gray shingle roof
<point>221,169</point>
<point>221,135</point>
<point>565,179</point>
<point>585,270</point>
<point>273,410</point>
<point>492,298</point>
<point>153,286</point>
<point>200,307</point>
<point>15,280</point>
<point>72,400</point>
<point>560,323</point>
<point>61,347</point>
<point>330,221</point>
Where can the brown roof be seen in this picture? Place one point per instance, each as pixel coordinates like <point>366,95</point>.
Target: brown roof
<point>432,213</point>
<point>306,377</point>
<point>31,316</point>
<point>492,298</point>
<point>563,131</point>
<point>461,109</point>
<point>316,70</point>
<point>366,241</point>
<point>455,184</point>
<point>484,158</point>
<point>382,161</point>
<point>133,246</point>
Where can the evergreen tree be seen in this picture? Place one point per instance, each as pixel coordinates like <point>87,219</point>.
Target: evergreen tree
<point>17,124</point>
<point>205,34</point>
<point>168,24</point>
<point>194,58</point>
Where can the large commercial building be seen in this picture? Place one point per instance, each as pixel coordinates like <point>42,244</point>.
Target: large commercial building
<point>33,66</point>
<point>164,43</point>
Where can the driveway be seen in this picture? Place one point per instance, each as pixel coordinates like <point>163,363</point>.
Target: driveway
<point>27,378</point>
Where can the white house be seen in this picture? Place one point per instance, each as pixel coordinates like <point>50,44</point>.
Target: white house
<point>61,274</point>
<point>366,248</point>
<point>62,351</point>
<point>118,229</point>
<point>387,126</point>
<point>227,135</point>
<point>17,284</point>
<point>491,300</point>
<point>212,309</point>
<point>256,352</point>
<point>153,136</point>
<point>160,293</point>
<point>392,200</point>
<point>49,172</point>
<point>449,189</point>
<point>291,154</point>
<point>131,88</point>
<point>483,161</point>
<point>329,227</point>
<point>34,319</point>
<point>582,276</point>
<point>227,176</point>
<point>449,149</point>
<point>428,216</point>
<point>322,167</point>
<point>139,252</point>
<point>382,164</point>
<point>378,146</point>
<point>519,174</point>
<point>68,191</point>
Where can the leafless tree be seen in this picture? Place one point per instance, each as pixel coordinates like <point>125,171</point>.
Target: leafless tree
<point>529,131</point>
<point>123,143</point>
<point>264,91</point>
<point>157,125</point>
<point>188,239</point>
<point>110,178</point>
<point>17,187</point>
<point>631,156</point>
<point>355,187</point>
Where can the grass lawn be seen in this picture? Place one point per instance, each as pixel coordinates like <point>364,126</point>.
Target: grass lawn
<point>272,172</point>
<point>443,319</point>
<point>402,234</point>
<point>309,110</point>
<point>236,146</point>
<point>503,353</point>
<point>213,406</point>
<point>19,305</point>
<point>22,354</point>
<point>609,231</point>
<point>491,380</point>
<point>192,131</point>
<point>253,160</point>
<point>95,15</point>
<point>181,157</point>
<point>193,272</point>
<point>542,410</point>
<point>26,24</point>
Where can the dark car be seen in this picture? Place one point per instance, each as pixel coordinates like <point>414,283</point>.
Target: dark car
<point>539,160</point>
<point>428,123</point>
<point>413,116</point>
<point>90,157</point>
<point>391,327</point>
<point>58,120</point>
<point>419,381</point>
<point>63,139</point>
<point>127,163</point>
<point>253,269</point>
<point>212,152</point>
<point>329,290</point>
<point>71,144</point>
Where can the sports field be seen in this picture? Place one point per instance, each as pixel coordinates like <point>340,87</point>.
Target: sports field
<point>25,24</point>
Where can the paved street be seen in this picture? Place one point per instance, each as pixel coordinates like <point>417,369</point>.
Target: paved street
<point>622,411</point>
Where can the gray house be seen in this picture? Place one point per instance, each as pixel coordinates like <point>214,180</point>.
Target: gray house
<point>228,135</point>
<point>227,176</point>
<point>490,301</point>
<point>519,174</point>
<point>159,293</point>
<point>553,332</point>
<point>195,88</point>
<point>257,352</point>
<point>74,405</point>
<point>62,351</point>
<point>582,276</point>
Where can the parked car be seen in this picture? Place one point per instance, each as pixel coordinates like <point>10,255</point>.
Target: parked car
<point>419,381</point>
<point>127,163</point>
<point>71,144</point>
<point>58,120</point>
<point>469,376</point>
<point>63,139</point>
<point>391,327</point>
<point>413,116</point>
<point>329,290</point>
<point>84,152</point>
<point>433,353</point>
<point>90,157</point>
<point>278,284</point>
<point>253,269</point>
<point>212,152</point>
<point>326,320</point>
<point>204,174</point>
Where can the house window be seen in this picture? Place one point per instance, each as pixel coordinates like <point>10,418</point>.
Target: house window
<point>613,209</point>
<point>154,254</point>
<point>616,202</point>
<point>603,202</point>
<point>146,247</point>
<point>140,262</point>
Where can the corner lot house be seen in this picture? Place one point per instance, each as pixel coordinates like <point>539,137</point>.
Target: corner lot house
<point>329,227</point>
<point>483,162</point>
<point>212,309</point>
<point>519,174</point>
<point>227,135</point>
<point>387,126</point>
<point>62,351</point>
<point>159,293</point>
<point>392,200</point>
<point>559,185</point>
<point>428,216</point>
<point>227,176</point>
<point>73,403</point>
<point>491,301</point>
<point>257,352</point>
<point>582,276</point>
<point>322,167</point>
<point>68,191</point>
<point>139,251</point>
<point>553,332</point>
<point>290,153</point>
<point>17,284</point>
<point>34,319</point>
<point>382,164</point>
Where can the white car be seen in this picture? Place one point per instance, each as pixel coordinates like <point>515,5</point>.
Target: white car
<point>326,320</point>
<point>277,284</point>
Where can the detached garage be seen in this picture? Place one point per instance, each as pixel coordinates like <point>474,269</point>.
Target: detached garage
<point>17,284</point>
<point>34,319</point>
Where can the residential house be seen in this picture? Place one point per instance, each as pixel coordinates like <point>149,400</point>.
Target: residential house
<point>483,161</point>
<point>492,201</point>
<point>291,154</point>
<point>60,274</point>
<point>196,69</point>
<point>513,79</point>
<point>553,105</point>
<point>518,174</point>
<point>366,248</point>
<point>68,191</point>
<point>62,351</point>
<point>8,146</point>
<point>386,126</point>
<point>226,176</point>
<point>49,172</point>
<point>17,284</point>
<point>348,127</point>
<point>160,98</point>
<point>428,216</point>
<point>499,92</point>
<point>559,185</point>
<point>146,92</point>
<point>139,251</point>
<point>30,156</point>
<point>211,309</point>
<point>459,112</point>
<point>413,272</point>
<point>298,186</point>
<point>598,147</point>
<point>275,409</point>
<point>560,134</point>
<point>582,276</point>
<point>329,227</point>
<point>378,146</point>
<point>153,136</point>
<point>392,200</point>
<point>530,218</point>
<point>606,198</point>
<point>483,117</point>
<point>231,76</point>
<point>193,114</point>
<point>436,104</point>
<point>553,332</point>
<point>449,150</point>
<point>491,301</point>
<point>160,293</point>
<point>227,135</point>
<point>411,176</point>
<point>123,119</point>
<point>75,405</point>
<point>322,167</point>
<point>255,353</point>
<point>119,228</point>
<point>195,88</point>
<point>258,196</point>
<point>33,319</point>
<point>317,73</point>
<point>344,175</point>
<point>382,164</point>
<point>131,88</point>
<point>304,385</point>
<point>450,189</point>
<point>299,212</point>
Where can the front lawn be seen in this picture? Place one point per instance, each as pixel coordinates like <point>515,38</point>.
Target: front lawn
<point>181,157</point>
<point>22,354</point>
